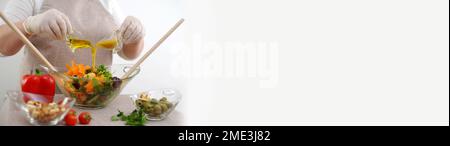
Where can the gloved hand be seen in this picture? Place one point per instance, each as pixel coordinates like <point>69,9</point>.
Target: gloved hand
<point>131,30</point>
<point>51,22</point>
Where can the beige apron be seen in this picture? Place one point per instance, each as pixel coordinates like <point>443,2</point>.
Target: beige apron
<point>90,18</point>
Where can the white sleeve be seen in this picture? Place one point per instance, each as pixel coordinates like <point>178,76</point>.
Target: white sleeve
<point>17,10</point>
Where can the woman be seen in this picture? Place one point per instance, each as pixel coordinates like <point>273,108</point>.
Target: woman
<point>47,22</point>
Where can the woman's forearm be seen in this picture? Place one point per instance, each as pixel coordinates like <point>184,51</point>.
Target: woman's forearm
<point>131,51</point>
<point>10,42</point>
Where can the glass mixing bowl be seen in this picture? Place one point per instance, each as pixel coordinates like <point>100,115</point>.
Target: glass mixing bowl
<point>101,96</point>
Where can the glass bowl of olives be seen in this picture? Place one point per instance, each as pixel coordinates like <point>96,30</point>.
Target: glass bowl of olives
<point>157,104</point>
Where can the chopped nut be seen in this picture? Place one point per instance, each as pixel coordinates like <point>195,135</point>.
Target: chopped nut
<point>44,112</point>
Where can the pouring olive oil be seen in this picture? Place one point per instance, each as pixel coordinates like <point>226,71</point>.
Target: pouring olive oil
<point>107,44</point>
<point>75,44</point>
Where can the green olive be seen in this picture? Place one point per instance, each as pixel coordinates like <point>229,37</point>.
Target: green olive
<point>152,110</point>
<point>154,101</point>
<point>147,109</point>
<point>164,107</point>
<point>149,104</point>
<point>157,109</point>
<point>139,103</point>
<point>154,107</point>
<point>169,104</point>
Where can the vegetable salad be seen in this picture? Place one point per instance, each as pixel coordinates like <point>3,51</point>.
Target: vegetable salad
<point>90,86</point>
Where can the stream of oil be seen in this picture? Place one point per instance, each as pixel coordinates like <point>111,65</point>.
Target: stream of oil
<point>75,44</point>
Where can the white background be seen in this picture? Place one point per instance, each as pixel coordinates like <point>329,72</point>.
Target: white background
<point>345,62</point>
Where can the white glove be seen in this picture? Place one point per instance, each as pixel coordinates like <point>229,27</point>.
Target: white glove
<point>51,22</point>
<point>131,30</point>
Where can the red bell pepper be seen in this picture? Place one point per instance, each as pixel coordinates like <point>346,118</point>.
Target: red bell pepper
<point>39,84</point>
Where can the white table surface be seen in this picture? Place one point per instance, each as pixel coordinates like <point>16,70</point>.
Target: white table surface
<point>12,116</point>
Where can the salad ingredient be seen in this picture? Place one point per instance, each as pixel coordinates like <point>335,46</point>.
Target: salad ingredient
<point>152,106</point>
<point>75,43</point>
<point>119,116</point>
<point>107,44</point>
<point>94,56</point>
<point>44,112</point>
<point>39,84</point>
<point>90,86</point>
<point>71,120</point>
<point>85,118</point>
<point>72,112</point>
<point>135,118</point>
<point>77,70</point>
<point>69,117</point>
<point>116,82</point>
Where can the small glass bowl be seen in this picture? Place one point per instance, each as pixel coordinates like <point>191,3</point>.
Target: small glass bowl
<point>38,117</point>
<point>172,96</point>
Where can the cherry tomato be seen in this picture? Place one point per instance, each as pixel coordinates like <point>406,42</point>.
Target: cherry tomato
<point>71,120</point>
<point>85,118</point>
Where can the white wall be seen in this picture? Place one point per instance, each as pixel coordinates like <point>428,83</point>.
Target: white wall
<point>340,62</point>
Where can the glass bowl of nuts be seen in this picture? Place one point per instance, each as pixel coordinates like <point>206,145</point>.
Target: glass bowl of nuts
<point>157,104</point>
<point>38,110</point>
